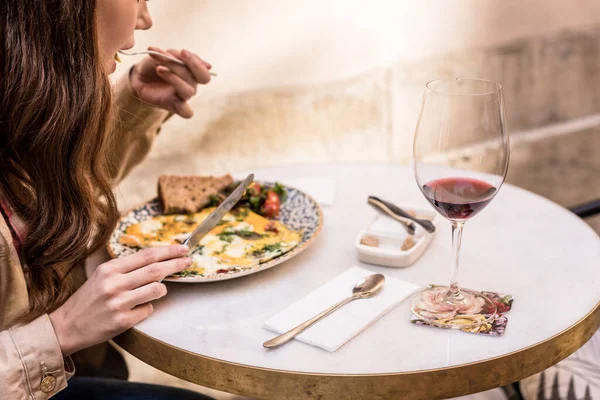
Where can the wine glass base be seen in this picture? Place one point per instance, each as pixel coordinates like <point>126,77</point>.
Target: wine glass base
<point>470,310</point>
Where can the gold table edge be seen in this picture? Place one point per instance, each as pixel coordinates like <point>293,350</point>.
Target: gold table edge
<point>437,383</point>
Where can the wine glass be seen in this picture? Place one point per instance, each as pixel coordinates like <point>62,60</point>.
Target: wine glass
<point>460,158</point>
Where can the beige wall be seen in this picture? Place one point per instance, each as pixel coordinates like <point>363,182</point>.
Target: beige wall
<point>268,43</point>
<point>317,81</point>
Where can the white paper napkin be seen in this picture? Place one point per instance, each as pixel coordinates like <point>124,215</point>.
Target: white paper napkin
<point>338,328</point>
<point>321,189</point>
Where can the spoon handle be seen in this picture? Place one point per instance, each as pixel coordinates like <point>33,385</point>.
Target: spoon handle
<point>292,333</point>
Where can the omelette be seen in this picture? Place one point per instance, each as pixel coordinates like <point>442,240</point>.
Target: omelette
<point>242,239</point>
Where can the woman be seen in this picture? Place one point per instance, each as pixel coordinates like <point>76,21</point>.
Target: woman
<point>65,140</point>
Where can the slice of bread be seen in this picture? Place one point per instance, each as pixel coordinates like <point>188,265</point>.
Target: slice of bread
<point>189,194</point>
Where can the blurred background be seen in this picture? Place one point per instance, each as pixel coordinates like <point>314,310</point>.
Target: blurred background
<point>341,81</point>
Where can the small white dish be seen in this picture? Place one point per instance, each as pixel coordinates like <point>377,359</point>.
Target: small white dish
<point>391,235</point>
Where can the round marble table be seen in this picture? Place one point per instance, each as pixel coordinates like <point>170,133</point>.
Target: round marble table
<point>522,244</point>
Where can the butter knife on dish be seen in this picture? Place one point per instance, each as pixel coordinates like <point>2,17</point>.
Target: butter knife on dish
<point>214,217</point>
<point>400,215</point>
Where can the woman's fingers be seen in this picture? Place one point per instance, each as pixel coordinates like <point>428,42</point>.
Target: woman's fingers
<point>138,314</point>
<point>144,294</point>
<point>183,54</point>
<point>154,272</point>
<point>195,70</point>
<point>197,66</point>
<point>143,258</point>
<point>180,70</point>
<point>182,109</point>
<point>183,89</point>
<point>183,79</point>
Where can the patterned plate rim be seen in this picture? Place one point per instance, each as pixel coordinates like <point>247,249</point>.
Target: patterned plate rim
<point>260,267</point>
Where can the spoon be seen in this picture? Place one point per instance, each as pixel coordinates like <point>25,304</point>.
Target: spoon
<point>156,53</point>
<point>367,287</point>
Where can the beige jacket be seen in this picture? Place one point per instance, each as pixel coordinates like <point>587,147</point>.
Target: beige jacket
<point>30,354</point>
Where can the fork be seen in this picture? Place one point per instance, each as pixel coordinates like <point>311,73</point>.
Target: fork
<point>156,53</point>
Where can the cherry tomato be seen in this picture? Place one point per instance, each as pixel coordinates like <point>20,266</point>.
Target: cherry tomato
<point>272,204</point>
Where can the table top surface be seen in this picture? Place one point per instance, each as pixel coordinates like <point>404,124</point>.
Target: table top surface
<point>521,244</point>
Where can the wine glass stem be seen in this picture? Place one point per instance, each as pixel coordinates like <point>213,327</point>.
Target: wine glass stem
<point>454,295</point>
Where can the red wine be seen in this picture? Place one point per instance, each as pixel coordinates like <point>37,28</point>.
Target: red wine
<point>458,198</point>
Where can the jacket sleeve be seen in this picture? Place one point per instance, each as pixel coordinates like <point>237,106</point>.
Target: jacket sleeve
<point>136,127</point>
<point>31,361</point>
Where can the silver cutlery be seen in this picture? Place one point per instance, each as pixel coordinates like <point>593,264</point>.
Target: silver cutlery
<point>156,53</point>
<point>400,215</point>
<point>214,217</point>
<point>365,288</point>
<point>409,226</point>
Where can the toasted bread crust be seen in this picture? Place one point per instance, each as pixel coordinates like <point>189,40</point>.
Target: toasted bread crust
<point>189,194</point>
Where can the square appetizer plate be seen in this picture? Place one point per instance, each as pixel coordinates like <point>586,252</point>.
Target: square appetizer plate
<point>386,242</point>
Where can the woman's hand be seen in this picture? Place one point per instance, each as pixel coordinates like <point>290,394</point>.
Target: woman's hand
<point>116,297</point>
<point>168,85</point>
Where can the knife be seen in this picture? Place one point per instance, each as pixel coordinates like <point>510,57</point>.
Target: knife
<point>397,213</point>
<point>213,219</point>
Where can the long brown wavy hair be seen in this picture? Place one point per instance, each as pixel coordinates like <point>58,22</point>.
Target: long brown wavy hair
<point>55,124</point>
